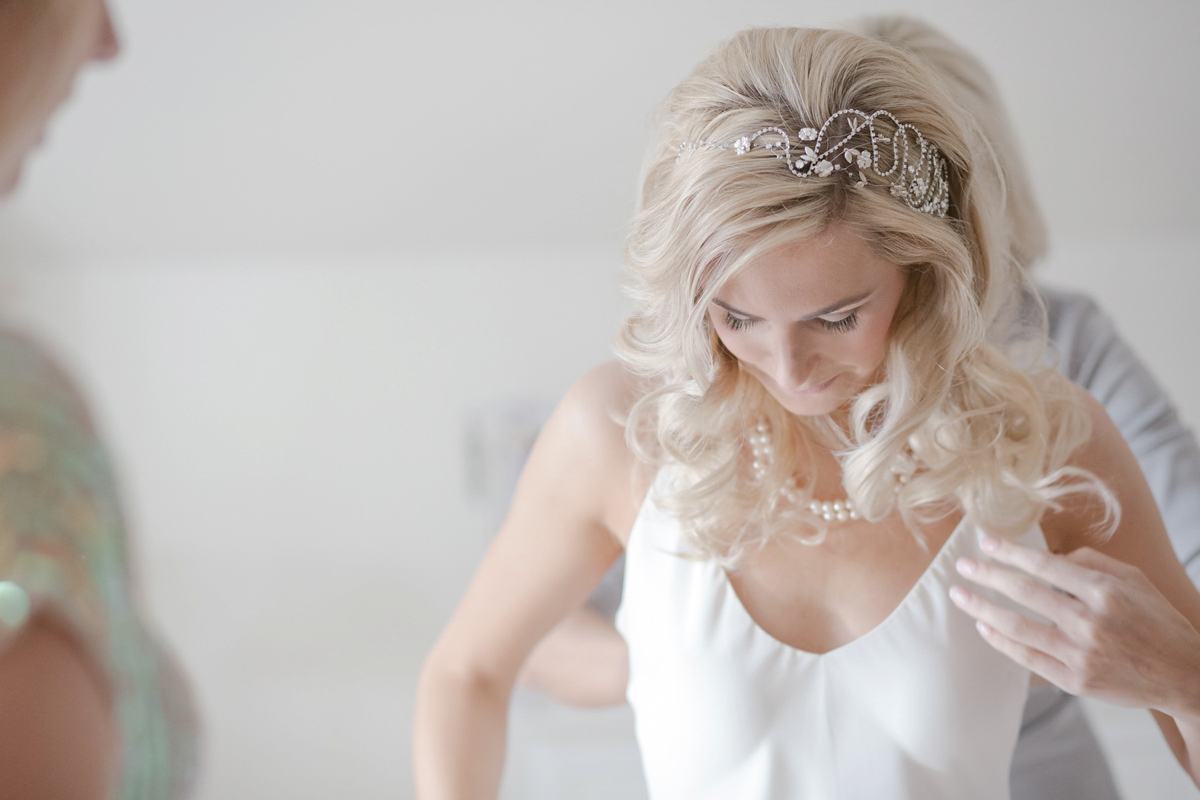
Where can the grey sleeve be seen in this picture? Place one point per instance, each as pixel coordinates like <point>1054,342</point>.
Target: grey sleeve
<point>1093,355</point>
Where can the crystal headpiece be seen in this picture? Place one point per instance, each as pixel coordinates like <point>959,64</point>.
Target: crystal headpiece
<point>911,167</point>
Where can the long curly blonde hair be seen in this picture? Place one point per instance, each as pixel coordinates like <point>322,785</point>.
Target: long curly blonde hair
<point>967,404</point>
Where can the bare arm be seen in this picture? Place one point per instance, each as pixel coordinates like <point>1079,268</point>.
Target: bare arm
<point>582,662</point>
<point>564,530</point>
<point>58,735</point>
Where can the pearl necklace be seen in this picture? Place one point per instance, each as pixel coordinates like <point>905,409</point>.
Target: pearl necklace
<point>830,510</point>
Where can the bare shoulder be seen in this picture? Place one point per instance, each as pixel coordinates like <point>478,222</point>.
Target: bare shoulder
<point>594,407</point>
<point>1105,434</point>
<point>1107,456</point>
<point>1106,453</point>
<point>585,440</point>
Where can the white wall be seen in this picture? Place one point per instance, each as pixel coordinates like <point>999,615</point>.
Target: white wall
<point>291,436</point>
<point>287,245</point>
<point>235,126</point>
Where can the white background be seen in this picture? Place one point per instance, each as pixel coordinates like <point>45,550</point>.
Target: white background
<point>290,246</point>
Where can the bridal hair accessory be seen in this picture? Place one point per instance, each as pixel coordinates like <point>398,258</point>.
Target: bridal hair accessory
<point>912,168</point>
<point>828,510</point>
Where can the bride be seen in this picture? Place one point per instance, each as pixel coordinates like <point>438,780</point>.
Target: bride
<point>828,406</point>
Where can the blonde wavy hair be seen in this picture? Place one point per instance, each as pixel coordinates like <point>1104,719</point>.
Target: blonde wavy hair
<point>966,403</point>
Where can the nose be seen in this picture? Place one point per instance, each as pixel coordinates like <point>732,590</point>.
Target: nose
<point>107,45</point>
<point>794,363</point>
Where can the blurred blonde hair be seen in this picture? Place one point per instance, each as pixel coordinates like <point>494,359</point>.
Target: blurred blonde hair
<point>966,398</point>
<point>969,83</point>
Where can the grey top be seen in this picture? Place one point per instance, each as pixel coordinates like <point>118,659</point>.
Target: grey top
<point>1093,355</point>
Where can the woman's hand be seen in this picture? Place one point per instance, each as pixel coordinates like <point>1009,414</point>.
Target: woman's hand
<point>1110,634</point>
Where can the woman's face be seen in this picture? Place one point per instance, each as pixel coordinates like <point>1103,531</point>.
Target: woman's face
<point>43,44</point>
<point>810,319</point>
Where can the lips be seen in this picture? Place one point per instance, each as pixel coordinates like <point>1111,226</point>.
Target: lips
<point>819,387</point>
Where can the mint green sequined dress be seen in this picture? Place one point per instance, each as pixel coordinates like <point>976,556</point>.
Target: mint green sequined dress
<point>63,548</point>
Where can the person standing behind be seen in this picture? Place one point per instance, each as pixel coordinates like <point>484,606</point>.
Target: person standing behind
<point>91,705</point>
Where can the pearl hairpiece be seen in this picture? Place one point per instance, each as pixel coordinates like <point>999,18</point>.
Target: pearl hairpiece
<point>916,169</point>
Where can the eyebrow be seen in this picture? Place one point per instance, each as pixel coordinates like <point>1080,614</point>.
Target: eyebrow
<point>838,306</point>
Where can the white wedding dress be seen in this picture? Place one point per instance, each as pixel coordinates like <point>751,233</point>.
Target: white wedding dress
<point>919,707</point>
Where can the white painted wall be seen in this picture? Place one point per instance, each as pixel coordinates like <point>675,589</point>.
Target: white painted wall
<point>235,126</point>
<point>291,438</point>
<point>287,245</point>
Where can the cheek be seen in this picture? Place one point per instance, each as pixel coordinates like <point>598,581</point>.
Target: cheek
<point>866,347</point>
<point>738,346</point>
<point>752,346</point>
<point>876,338</point>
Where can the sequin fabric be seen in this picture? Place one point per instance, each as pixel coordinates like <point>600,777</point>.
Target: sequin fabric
<point>63,547</point>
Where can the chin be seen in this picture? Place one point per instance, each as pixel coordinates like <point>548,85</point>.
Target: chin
<point>810,405</point>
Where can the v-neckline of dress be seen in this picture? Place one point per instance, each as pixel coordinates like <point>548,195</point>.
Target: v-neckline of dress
<point>740,608</point>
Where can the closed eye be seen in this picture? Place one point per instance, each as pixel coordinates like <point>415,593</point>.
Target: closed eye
<point>737,323</point>
<point>847,323</point>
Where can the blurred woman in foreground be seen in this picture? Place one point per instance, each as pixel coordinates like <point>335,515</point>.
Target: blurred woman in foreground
<point>90,705</point>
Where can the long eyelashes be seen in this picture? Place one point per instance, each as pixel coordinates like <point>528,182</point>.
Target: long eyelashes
<point>846,323</point>
<point>736,323</point>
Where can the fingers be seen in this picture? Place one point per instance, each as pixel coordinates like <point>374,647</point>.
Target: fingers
<point>1031,644</point>
<point>1021,588</point>
<point>1031,658</point>
<point>1013,626</point>
<point>1093,559</point>
<point>1058,571</point>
